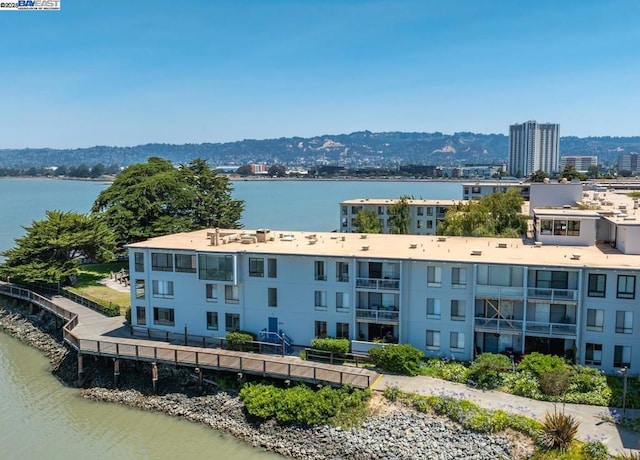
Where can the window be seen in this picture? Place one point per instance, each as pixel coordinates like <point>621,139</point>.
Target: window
<point>342,302</point>
<point>593,354</point>
<point>380,210</point>
<point>232,322</point>
<point>433,340</point>
<point>186,263</point>
<point>161,262</point>
<point>434,276</point>
<point>456,341</point>
<point>342,330</point>
<point>418,224</point>
<point>597,285</point>
<point>552,279</point>
<point>560,227</point>
<point>140,289</point>
<point>320,300</point>
<point>211,292</point>
<point>321,329</point>
<point>457,310</point>
<point>163,289</point>
<point>433,308</point>
<point>342,272</point>
<point>212,320</point>
<point>320,275</point>
<point>430,211</point>
<point>141,316</point>
<point>344,210</point>
<point>272,268</point>
<point>272,295</point>
<point>256,267</point>
<point>624,322</point>
<point>475,189</point>
<point>573,228</point>
<point>355,209</point>
<point>458,277</point>
<point>545,227</point>
<point>595,320</point>
<point>429,224</point>
<point>420,211</point>
<point>163,316</point>
<point>622,356</point>
<point>231,294</point>
<point>139,261</point>
<point>626,287</point>
<point>215,267</point>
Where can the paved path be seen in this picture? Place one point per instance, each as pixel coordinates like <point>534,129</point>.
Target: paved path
<point>590,417</point>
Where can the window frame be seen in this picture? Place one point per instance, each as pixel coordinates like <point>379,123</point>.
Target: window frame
<point>272,297</point>
<point>234,290</point>
<point>434,276</point>
<point>162,261</point>
<point>592,348</point>
<point>182,268</point>
<point>272,267</point>
<point>143,310</point>
<point>170,314</point>
<point>162,289</point>
<point>320,299</point>
<point>458,336</point>
<point>434,308</point>
<point>624,322</point>
<point>593,285</point>
<point>256,267</point>
<point>626,293</point>
<point>596,316</point>
<point>460,305</point>
<point>319,270</point>
<point>211,325</point>
<point>320,329</point>
<point>138,261</point>
<point>435,342</point>
<point>229,322</point>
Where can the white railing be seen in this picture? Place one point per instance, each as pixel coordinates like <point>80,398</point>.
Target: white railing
<point>500,291</point>
<point>377,316</point>
<point>550,328</point>
<point>553,294</point>
<point>378,284</point>
<point>499,324</point>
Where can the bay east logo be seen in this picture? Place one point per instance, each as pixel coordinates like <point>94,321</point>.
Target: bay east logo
<point>30,5</point>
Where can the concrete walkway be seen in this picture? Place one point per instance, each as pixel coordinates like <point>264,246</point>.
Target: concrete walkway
<point>592,426</point>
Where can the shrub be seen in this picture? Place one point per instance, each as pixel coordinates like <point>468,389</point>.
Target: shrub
<point>586,379</point>
<point>486,370</point>
<point>399,359</point>
<point>525,385</point>
<point>127,315</point>
<point>628,456</point>
<point>595,450</point>
<point>454,372</point>
<point>239,340</point>
<point>554,383</point>
<point>337,346</point>
<point>558,431</point>
<point>539,364</point>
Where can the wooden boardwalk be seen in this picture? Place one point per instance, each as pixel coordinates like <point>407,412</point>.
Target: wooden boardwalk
<point>91,333</point>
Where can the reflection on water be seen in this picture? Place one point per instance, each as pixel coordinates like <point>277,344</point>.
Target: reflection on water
<point>41,418</point>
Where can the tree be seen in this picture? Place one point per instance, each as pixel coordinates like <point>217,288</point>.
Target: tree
<point>154,198</point>
<point>400,216</point>
<point>539,176</point>
<point>51,249</point>
<point>98,170</point>
<point>569,172</point>
<point>498,214</point>
<point>244,170</point>
<point>366,221</point>
<point>593,172</point>
<point>277,171</point>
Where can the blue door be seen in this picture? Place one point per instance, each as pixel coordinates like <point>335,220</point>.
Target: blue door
<point>273,325</point>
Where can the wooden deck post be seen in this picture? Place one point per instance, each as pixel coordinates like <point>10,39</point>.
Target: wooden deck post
<point>80,370</point>
<point>154,376</point>
<point>116,372</point>
<point>200,377</point>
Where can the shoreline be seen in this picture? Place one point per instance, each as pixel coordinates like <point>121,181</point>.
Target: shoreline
<point>391,431</point>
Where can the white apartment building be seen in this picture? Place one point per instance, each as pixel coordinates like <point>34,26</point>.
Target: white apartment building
<point>476,190</point>
<point>580,163</point>
<point>534,147</point>
<point>629,162</point>
<point>425,215</point>
<point>449,297</point>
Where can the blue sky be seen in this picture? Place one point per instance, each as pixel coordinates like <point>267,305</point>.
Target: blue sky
<point>111,72</point>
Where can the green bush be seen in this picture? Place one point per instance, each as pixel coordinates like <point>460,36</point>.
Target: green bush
<point>399,359</point>
<point>539,364</point>
<point>337,346</point>
<point>127,314</point>
<point>554,383</point>
<point>594,450</point>
<point>239,340</point>
<point>487,369</point>
<point>454,372</point>
<point>302,405</point>
<point>524,384</point>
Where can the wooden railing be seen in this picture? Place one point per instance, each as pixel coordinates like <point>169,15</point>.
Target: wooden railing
<point>178,355</point>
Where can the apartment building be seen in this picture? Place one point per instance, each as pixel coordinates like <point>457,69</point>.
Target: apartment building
<point>451,297</point>
<point>425,215</point>
<point>580,163</point>
<point>476,190</point>
<point>629,162</point>
<point>534,147</point>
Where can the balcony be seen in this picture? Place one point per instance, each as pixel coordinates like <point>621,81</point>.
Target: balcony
<point>553,295</point>
<point>387,315</point>
<point>499,325</point>
<point>500,292</point>
<point>378,284</point>
<point>550,329</point>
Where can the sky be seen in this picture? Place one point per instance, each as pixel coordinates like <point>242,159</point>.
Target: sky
<point>121,73</point>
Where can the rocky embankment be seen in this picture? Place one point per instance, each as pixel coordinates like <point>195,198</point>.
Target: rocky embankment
<point>394,433</point>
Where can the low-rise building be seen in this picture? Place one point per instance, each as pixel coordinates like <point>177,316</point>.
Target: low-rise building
<point>452,297</point>
<point>580,163</point>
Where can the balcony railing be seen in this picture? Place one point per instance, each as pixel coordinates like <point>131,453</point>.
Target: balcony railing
<point>551,329</point>
<point>560,295</point>
<point>377,316</point>
<point>500,291</point>
<point>499,325</point>
<point>378,284</point>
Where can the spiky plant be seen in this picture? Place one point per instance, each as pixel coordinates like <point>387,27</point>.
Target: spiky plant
<point>631,455</point>
<point>558,430</point>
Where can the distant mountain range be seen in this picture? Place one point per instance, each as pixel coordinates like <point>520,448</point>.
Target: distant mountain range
<point>359,149</point>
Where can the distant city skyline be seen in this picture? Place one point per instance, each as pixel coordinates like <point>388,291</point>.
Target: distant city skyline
<point>124,73</point>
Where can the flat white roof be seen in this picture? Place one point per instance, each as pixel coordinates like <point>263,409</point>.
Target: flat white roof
<point>399,247</point>
<point>383,201</point>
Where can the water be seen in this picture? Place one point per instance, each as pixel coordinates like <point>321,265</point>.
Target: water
<point>40,418</point>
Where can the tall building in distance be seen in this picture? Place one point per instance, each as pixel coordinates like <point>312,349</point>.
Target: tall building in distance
<point>629,162</point>
<point>580,163</point>
<point>534,147</point>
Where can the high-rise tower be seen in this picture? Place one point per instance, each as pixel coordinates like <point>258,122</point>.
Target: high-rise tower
<point>533,147</point>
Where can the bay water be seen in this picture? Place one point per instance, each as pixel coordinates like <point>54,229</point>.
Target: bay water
<point>41,418</point>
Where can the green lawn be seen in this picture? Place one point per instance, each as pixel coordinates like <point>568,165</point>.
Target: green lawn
<point>88,284</point>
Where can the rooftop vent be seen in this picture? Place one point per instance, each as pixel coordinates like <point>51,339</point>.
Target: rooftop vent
<point>576,256</point>
<point>537,244</point>
<point>629,218</point>
<point>363,236</point>
<point>442,238</point>
<point>476,252</point>
<point>365,247</point>
<point>502,245</point>
<point>413,245</point>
